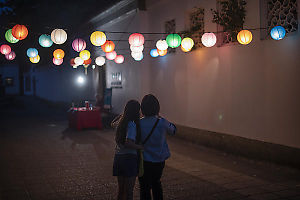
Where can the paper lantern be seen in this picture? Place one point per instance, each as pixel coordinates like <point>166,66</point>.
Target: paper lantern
<point>72,62</point>
<point>173,40</point>
<point>136,39</point>
<point>139,58</point>
<point>75,66</point>
<point>78,44</point>
<point>57,61</point>
<point>45,40</point>
<point>161,45</point>
<point>32,52</point>
<point>5,49</point>
<point>154,53</point>
<point>100,61</point>
<point>278,33</point>
<point>78,61</point>
<point>244,37</point>
<point>59,36</point>
<point>187,43</point>
<point>20,32</point>
<point>136,54</point>
<point>98,38</point>
<point>111,55</point>
<point>108,46</point>
<point>10,56</point>
<point>119,59</point>
<point>137,48</point>
<point>85,55</point>
<point>88,61</point>
<point>35,59</point>
<point>208,39</point>
<point>162,52</point>
<point>93,66</point>
<point>9,37</point>
<point>185,50</point>
<point>59,54</point>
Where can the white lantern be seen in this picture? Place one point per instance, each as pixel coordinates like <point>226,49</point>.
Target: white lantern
<point>139,58</point>
<point>161,44</point>
<point>209,39</point>
<point>78,61</point>
<point>100,61</point>
<point>136,48</point>
<point>136,54</point>
<point>59,36</point>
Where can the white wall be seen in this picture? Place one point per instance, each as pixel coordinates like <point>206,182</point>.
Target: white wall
<point>249,91</point>
<point>11,71</point>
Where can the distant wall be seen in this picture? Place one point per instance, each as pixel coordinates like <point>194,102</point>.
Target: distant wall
<point>11,71</point>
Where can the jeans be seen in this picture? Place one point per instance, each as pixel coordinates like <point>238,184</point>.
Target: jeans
<point>151,181</point>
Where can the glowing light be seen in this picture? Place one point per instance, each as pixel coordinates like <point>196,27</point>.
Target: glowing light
<point>72,62</point>
<point>10,56</point>
<point>32,52</point>
<point>98,38</point>
<point>88,61</point>
<point>139,58</point>
<point>9,37</point>
<point>59,36</point>
<point>137,48</point>
<point>85,55</point>
<point>208,39</point>
<point>80,80</point>
<point>244,37</point>
<point>161,45</point>
<point>78,61</point>
<point>93,66</point>
<point>78,44</point>
<point>59,54</point>
<point>173,40</point>
<point>154,53</point>
<point>108,46</point>
<point>119,59</point>
<point>162,52</point>
<point>57,61</point>
<point>45,40</point>
<point>5,49</point>
<point>136,39</point>
<point>111,55</point>
<point>100,61</point>
<point>187,44</point>
<point>278,33</point>
<point>35,59</point>
<point>136,54</point>
<point>20,32</point>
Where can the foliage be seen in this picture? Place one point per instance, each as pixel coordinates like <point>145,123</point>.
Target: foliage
<point>231,15</point>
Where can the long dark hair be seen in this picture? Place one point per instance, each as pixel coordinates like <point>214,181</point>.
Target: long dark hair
<point>131,113</point>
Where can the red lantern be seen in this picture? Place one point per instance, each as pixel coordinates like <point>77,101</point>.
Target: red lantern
<point>111,55</point>
<point>88,61</point>
<point>136,39</point>
<point>72,62</point>
<point>162,52</point>
<point>5,49</point>
<point>108,46</point>
<point>78,44</point>
<point>57,61</point>
<point>10,56</point>
<point>119,59</point>
<point>20,32</point>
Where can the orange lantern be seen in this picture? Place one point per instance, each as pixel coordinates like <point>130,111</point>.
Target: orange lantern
<point>244,37</point>
<point>20,32</point>
<point>108,46</point>
<point>58,54</point>
<point>162,52</point>
<point>88,61</point>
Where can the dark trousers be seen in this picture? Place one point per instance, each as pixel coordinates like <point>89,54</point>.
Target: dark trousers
<point>151,181</point>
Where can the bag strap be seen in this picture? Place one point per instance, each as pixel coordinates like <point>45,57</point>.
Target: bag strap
<point>151,131</point>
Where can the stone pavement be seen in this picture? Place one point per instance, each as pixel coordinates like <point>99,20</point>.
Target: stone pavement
<point>41,159</point>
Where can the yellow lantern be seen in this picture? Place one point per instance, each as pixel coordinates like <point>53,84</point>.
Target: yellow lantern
<point>187,43</point>
<point>98,38</point>
<point>244,37</point>
<point>185,50</point>
<point>59,54</point>
<point>35,59</point>
<point>162,52</point>
<point>85,55</point>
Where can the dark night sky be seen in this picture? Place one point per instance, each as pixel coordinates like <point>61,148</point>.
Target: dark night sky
<point>41,17</point>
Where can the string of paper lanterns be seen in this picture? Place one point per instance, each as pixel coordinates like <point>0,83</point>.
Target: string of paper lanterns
<point>136,42</point>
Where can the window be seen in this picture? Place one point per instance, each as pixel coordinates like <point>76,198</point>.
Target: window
<point>278,13</point>
<point>9,81</point>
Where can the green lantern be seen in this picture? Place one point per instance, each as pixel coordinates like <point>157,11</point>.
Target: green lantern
<point>173,40</point>
<point>9,37</point>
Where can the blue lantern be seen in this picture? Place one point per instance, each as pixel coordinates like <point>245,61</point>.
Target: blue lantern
<point>278,33</point>
<point>32,52</point>
<point>154,53</point>
<point>45,40</point>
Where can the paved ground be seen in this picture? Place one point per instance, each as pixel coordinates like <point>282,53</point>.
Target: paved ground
<point>41,159</point>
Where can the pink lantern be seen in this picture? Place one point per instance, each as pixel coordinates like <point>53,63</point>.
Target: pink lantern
<point>57,61</point>
<point>78,44</point>
<point>5,49</point>
<point>119,59</point>
<point>10,56</point>
<point>136,39</point>
<point>111,55</point>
